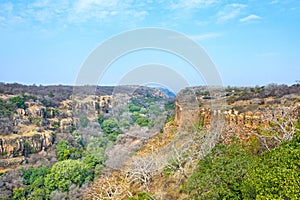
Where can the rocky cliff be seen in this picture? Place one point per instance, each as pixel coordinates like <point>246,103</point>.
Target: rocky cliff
<point>243,113</point>
<point>31,117</point>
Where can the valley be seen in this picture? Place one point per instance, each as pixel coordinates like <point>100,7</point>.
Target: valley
<point>134,142</point>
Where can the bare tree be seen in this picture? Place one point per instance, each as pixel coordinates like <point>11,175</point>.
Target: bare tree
<point>142,169</point>
<point>281,127</point>
<point>114,186</point>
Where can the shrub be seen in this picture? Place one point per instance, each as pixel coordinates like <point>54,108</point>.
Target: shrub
<point>134,108</point>
<point>275,174</point>
<point>5,108</point>
<point>18,101</point>
<point>220,173</point>
<point>111,126</point>
<point>142,121</point>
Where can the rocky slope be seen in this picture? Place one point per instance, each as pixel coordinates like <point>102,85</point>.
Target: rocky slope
<point>163,166</point>
<point>243,110</point>
<point>141,159</point>
<point>31,117</point>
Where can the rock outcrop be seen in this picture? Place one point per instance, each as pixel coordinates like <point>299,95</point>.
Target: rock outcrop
<point>21,145</point>
<point>241,117</point>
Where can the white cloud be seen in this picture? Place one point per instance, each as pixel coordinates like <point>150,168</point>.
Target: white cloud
<point>84,10</point>
<point>249,18</point>
<point>87,5</point>
<point>231,11</point>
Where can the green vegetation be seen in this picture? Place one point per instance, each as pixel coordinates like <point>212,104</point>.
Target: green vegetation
<point>5,108</point>
<point>219,174</point>
<point>65,151</point>
<point>34,176</point>
<point>51,95</point>
<point>34,179</point>
<point>231,172</point>
<point>134,108</point>
<point>100,120</point>
<point>275,174</point>
<point>111,128</point>
<point>143,121</point>
<point>64,173</point>
<point>18,101</point>
<point>19,194</point>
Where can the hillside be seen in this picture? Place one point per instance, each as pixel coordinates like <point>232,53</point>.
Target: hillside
<point>43,125</point>
<point>130,142</point>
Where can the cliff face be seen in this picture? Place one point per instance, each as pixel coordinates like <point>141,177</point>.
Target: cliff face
<point>21,145</point>
<point>242,116</point>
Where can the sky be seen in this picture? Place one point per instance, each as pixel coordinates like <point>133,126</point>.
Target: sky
<point>251,42</point>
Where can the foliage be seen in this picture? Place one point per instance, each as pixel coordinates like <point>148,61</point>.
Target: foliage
<point>5,108</point>
<point>135,116</point>
<point>220,173</point>
<point>19,194</point>
<point>275,174</point>
<point>111,128</point>
<point>32,176</point>
<point>95,154</point>
<point>56,125</point>
<point>64,151</point>
<point>64,173</point>
<point>39,193</point>
<point>51,95</point>
<point>142,121</point>
<point>134,108</point>
<point>100,120</point>
<point>111,125</point>
<point>37,121</point>
<point>18,101</point>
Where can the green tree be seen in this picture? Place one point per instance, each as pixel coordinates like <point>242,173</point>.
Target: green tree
<point>5,108</point>
<point>111,125</point>
<point>134,108</point>
<point>31,175</point>
<point>18,101</point>
<point>142,121</point>
<point>64,173</point>
<point>63,150</point>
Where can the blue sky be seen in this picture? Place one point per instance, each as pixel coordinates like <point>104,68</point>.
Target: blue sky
<point>251,42</point>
